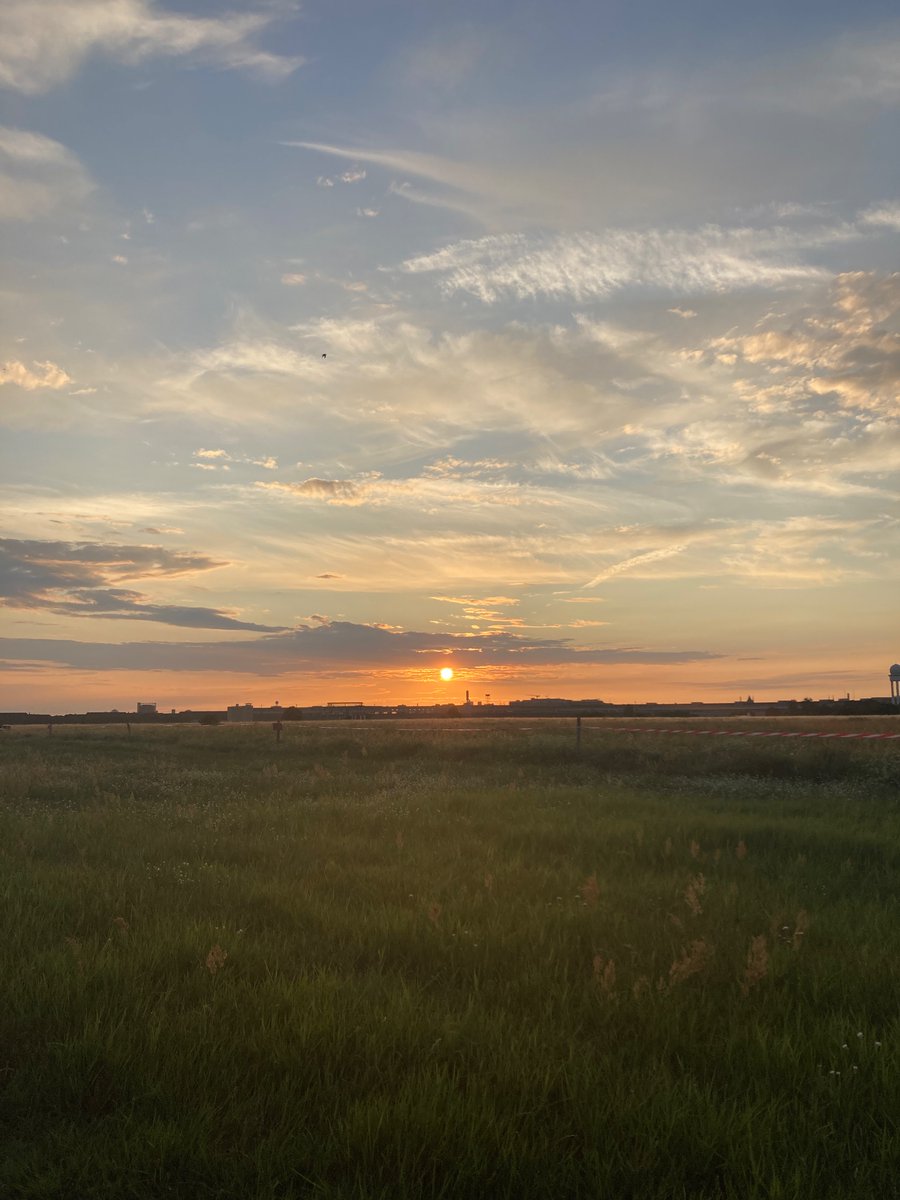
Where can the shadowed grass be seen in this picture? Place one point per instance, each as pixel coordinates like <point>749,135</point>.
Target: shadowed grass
<point>375,962</point>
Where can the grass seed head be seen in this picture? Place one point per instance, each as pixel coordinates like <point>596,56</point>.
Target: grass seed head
<point>694,961</point>
<point>590,891</point>
<point>605,974</point>
<point>693,892</point>
<point>215,960</point>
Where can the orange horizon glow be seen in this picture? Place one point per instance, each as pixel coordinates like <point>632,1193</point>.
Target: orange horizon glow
<point>47,690</point>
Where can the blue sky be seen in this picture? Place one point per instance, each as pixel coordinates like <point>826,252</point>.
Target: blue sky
<point>609,304</point>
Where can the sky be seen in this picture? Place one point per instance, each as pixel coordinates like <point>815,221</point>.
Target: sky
<point>344,341</point>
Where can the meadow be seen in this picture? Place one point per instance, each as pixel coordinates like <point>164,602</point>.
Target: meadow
<point>448,959</point>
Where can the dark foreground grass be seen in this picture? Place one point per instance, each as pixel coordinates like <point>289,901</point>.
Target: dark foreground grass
<point>448,960</point>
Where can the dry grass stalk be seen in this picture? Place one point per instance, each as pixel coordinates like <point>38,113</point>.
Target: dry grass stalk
<point>215,960</point>
<point>692,893</point>
<point>488,881</point>
<point>605,974</point>
<point>399,840</point>
<point>757,967</point>
<point>695,849</point>
<point>590,891</point>
<point>434,913</point>
<point>694,960</point>
<point>667,848</point>
<point>741,850</point>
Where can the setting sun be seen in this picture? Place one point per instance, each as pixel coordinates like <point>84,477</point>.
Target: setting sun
<point>446,673</point>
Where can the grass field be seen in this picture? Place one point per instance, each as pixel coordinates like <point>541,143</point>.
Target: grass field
<point>448,960</point>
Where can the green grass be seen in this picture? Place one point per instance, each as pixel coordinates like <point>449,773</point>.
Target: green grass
<point>415,998</point>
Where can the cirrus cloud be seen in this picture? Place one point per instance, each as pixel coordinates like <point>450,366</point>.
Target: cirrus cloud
<point>43,42</point>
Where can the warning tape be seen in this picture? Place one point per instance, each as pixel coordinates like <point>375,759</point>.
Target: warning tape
<point>765,733</point>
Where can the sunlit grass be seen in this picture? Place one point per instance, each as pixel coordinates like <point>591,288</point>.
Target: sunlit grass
<point>447,960</point>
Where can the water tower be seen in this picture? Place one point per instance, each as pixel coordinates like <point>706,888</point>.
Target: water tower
<point>895,684</point>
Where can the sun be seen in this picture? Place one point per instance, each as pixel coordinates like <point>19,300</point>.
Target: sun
<point>446,674</point>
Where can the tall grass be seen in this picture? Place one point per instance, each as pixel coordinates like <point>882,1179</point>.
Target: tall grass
<point>448,960</point>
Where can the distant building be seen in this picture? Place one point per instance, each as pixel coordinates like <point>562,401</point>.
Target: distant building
<point>248,712</point>
<point>895,683</point>
<point>146,709</point>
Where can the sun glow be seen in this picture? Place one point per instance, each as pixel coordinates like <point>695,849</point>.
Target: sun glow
<point>446,674</point>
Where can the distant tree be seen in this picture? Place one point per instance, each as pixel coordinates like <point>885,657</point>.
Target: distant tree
<point>210,719</point>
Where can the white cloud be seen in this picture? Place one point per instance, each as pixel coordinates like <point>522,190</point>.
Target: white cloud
<point>43,42</point>
<point>49,375</point>
<point>588,266</point>
<point>849,347</point>
<point>885,216</point>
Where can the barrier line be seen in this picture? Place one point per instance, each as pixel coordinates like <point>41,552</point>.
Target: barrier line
<point>887,737</point>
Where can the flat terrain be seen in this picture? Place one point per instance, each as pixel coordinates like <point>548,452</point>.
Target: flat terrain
<point>449,959</point>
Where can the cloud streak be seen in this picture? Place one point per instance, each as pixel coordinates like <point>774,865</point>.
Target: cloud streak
<point>344,644</point>
<point>81,580</point>
<point>636,560</point>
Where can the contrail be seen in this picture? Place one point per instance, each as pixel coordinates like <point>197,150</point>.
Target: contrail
<point>636,561</point>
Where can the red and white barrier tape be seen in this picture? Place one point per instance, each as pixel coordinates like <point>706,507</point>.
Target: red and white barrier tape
<point>765,733</point>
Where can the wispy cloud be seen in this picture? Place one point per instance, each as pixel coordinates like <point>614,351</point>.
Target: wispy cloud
<point>43,42</point>
<point>37,175</point>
